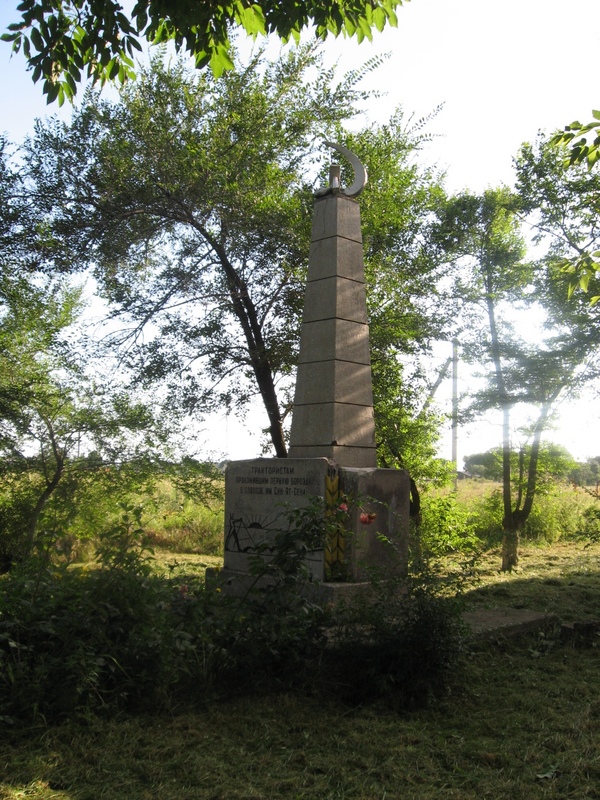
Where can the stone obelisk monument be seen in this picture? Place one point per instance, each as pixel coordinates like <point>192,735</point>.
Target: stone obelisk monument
<point>333,405</point>
<point>332,453</point>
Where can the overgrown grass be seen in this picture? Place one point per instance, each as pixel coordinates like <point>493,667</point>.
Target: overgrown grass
<point>175,522</point>
<point>560,511</point>
<point>526,724</point>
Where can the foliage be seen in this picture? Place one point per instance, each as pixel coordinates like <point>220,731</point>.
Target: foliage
<point>60,39</point>
<point>406,310</point>
<point>52,413</point>
<point>60,426</point>
<point>554,461</point>
<point>404,645</point>
<point>590,528</point>
<point>561,512</point>
<point>562,203</point>
<point>192,205</point>
<point>532,371</point>
<point>581,152</point>
<point>182,519</point>
<point>487,741</point>
<point>446,527</point>
<point>121,636</point>
<point>588,474</point>
<point>192,202</point>
<point>484,740</point>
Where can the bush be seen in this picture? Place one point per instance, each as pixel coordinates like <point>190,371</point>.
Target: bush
<point>402,645</point>
<point>75,638</point>
<point>446,527</point>
<point>559,512</point>
<point>590,527</point>
<point>122,636</point>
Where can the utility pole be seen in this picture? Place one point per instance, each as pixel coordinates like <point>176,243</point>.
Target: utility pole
<point>455,411</point>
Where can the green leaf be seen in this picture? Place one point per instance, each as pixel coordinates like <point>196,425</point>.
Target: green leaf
<point>251,18</point>
<point>593,156</point>
<point>112,68</point>
<point>596,114</point>
<point>37,40</point>
<point>379,18</point>
<point>51,91</point>
<point>220,60</point>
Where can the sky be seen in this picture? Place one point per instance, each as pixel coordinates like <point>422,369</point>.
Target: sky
<point>502,71</point>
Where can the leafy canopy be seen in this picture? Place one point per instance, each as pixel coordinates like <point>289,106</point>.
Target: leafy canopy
<point>586,264</point>
<point>562,200</point>
<point>191,198</point>
<point>61,38</point>
<point>575,135</point>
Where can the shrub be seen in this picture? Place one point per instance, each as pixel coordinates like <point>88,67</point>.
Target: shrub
<point>123,636</point>
<point>403,644</point>
<point>590,519</point>
<point>559,512</point>
<point>446,526</point>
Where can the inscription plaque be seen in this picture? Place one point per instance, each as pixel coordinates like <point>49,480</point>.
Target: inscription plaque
<point>259,494</point>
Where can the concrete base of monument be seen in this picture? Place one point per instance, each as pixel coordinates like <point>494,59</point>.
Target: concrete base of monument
<point>265,497</point>
<point>238,584</point>
<point>262,496</point>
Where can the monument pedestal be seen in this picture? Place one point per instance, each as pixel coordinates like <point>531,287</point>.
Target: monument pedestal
<point>261,493</point>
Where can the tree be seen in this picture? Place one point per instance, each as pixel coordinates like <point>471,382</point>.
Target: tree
<point>563,207</point>
<point>575,135</point>
<point>586,474</point>
<point>192,200</point>
<point>61,38</point>
<point>583,266</point>
<point>406,312</point>
<point>52,417</point>
<point>52,412</point>
<point>494,280</point>
<point>554,462</point>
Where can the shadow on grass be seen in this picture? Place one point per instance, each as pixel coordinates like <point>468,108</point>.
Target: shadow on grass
<point>562,579</point>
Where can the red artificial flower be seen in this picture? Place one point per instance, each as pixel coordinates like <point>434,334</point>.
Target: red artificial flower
<point>366,518</point>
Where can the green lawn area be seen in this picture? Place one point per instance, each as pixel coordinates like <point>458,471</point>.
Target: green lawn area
<point>522,722</point>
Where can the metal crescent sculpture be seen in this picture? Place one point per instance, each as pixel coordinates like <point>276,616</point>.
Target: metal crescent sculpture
<point>360,173</point>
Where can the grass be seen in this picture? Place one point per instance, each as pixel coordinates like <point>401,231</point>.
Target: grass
<point>181,524</point>
<point>524,723</point>
<point>563,578</point>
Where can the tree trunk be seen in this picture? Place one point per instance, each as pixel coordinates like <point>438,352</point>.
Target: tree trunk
<point>510,550</point>
<point>510,542</point>
<point>245,311</point>
<point>42,500</point>
<point>52,478</point>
